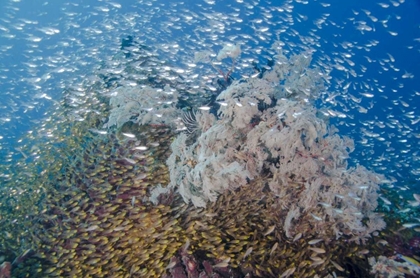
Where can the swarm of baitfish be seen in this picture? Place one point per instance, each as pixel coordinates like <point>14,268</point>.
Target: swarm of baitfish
<point>98,221</point>
<point>24,186</point>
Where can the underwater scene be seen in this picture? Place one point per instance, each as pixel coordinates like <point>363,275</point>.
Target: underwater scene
<point>209,138</point>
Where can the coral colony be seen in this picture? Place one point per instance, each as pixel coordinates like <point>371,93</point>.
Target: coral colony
<point>264,128</point>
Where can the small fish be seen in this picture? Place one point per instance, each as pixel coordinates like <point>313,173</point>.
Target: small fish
<point>367,95</point>
<point>386,201</point>
<point>93,261</point>
<point>337,266</point>
<point>317,250</point>
<point>274,248</point>
<point>315,241</point>
<point>297,237</point>
<point>120,228</point>
<point>316,217</point>
<point>129,160</point>
<point>154,144</point>
<point>129,135</point>
<point>317,262</point>
<point>171,265</point>
<point>405,210</point>
<point>382,241</point>
<point>409,260</point>
<point>92,228</point>
<point>141,176</point>
<point>411,225</point>
<point>270,230</point>
<point>220,265</point>
<point>186,245</point>
<point>316,259</point>
<point>413,203</point>
<point>248,251</point>
<point>363,252</point>
<point>288,272</point>
<point>97,131</point>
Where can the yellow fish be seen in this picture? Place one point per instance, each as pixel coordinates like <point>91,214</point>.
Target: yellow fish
<point>409,260</point>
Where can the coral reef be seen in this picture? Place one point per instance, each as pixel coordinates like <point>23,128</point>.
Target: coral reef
<point>305,163</point>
